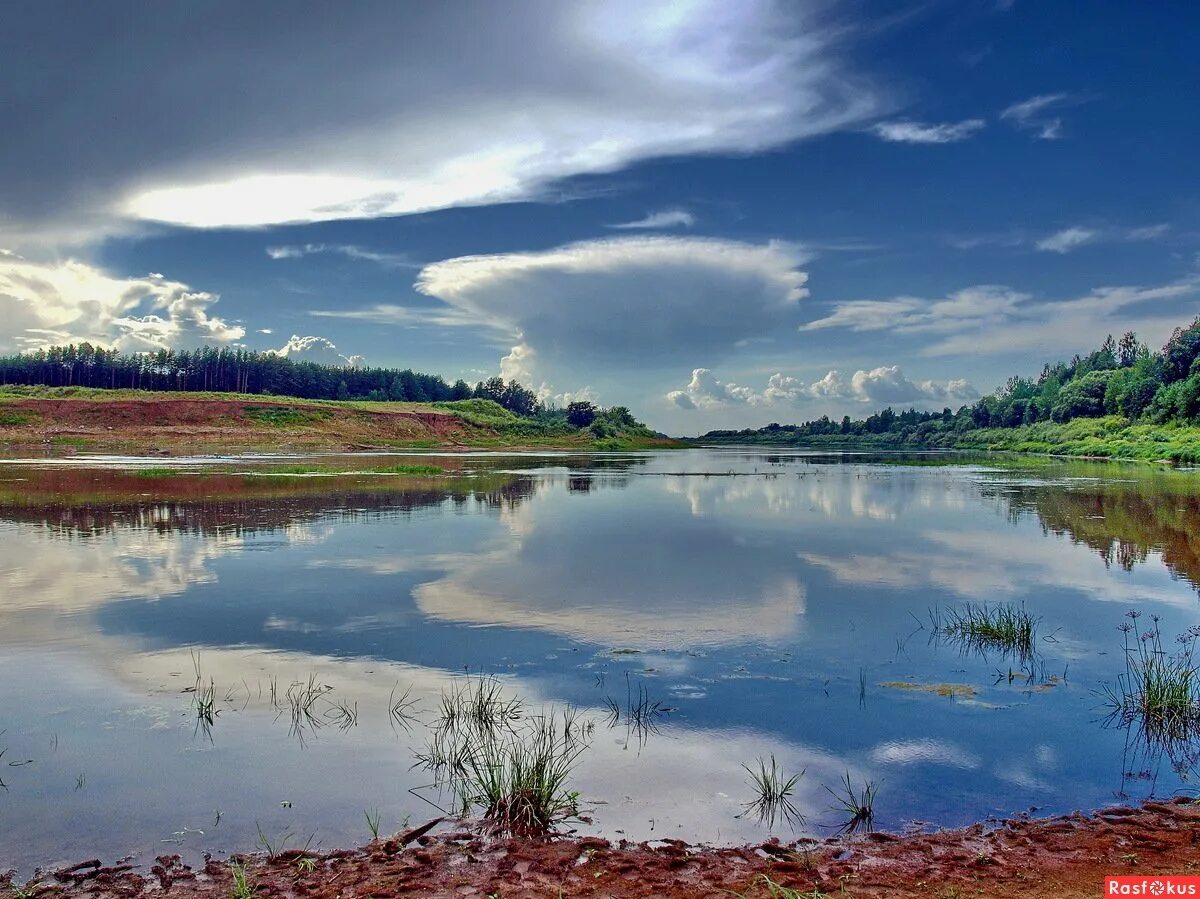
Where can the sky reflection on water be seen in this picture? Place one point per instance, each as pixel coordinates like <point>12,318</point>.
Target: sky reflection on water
<point>765,597</point>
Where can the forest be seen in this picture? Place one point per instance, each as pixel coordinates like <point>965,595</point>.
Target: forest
<point>225,370</point>
<point>1121,391</point>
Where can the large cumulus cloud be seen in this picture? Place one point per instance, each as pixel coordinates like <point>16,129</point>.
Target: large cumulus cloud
<point>377,108</point>
<point>626,302</point>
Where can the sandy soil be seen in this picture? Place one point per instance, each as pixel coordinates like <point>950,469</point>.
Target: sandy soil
<point>1061,857</point>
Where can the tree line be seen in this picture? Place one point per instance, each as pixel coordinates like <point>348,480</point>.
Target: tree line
<point>1122,377</point>
<point>244,371</point>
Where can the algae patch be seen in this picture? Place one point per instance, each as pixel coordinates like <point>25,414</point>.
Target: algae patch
<point>956,691</point>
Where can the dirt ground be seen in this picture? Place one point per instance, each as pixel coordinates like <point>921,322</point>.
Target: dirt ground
<point>1060,857</point>
<point>200,423</point>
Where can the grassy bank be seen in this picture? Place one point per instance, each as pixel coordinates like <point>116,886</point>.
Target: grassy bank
<point>129,420</point>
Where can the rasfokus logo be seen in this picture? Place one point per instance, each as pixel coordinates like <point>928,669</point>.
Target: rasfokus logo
<point>1152,885</point>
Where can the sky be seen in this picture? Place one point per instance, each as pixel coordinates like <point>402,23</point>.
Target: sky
<point>718,214</point>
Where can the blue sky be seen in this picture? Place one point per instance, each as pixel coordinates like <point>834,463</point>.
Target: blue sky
<point>717,214</point>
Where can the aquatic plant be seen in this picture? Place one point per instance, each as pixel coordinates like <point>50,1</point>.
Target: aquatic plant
<point>400,709</point>
<point>1158,693</point>
<point>774,791</point>
<point>422,470</point>
<point>373,823</point>
<point>640,713</point>
<point>979,627</point>
<point>301,698</point>
<point>490,756</point>
<point>481,702</point>
<point>859,807</point>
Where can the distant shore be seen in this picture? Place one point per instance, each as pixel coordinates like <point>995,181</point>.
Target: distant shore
<point>1019,858</point>
<point>1112,438</point>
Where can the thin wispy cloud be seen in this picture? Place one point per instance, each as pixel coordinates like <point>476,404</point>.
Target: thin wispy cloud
<point>1066,240</point>
<point>996,319</point>
<point>1037,114</point>
<point>1076,236</point>
<point>667,218</point>
<point>350,251</point>
<point>909,132</point>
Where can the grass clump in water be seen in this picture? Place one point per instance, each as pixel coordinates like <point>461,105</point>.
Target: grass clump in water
<point>421,470</point>
<point>859,808</point>
<point>1159,691</point>
<point>1005,627</point>
<point>494,758</point>
<point>773,800</point>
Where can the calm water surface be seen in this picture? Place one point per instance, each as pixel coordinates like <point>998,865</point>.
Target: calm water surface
<point>767,599</point>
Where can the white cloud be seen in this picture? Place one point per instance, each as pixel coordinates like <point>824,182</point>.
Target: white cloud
<point>1067,240</point>
<point>1148,232</point>
<point>977,306</point>
<point>317,349</point>
<point>885,385</point>
<point>350,251</point>
<point>667,218</point>
<point>704,391</point>
<point>902,131</point>
<point>518,364</point>
<point>61,302</point>
<point>625,301</point>
<point>1034,115</point>
<point>996,319</point>
<point>442,121</point>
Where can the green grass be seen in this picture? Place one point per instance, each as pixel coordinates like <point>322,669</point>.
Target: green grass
<point>494,757</point>
<point>422,470</point>
<point>156,472</point>
<point>242,887</point>
<point>283,418</point>
<point>978,627</point>
<point>1159,691</point>
<point>773,799</point>
<point>14,419</point>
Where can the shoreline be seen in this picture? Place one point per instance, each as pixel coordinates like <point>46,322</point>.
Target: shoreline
<point>1065,856</point>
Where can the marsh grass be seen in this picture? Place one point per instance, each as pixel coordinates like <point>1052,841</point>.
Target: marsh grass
<point>773,800</point>
<point>1006,628</point>
<point>373,823</point>
<point>493,757</point>
<point>640,714</point>
<point>858,808</point>
<point>422,470</point>
<point>1157,696</point>
<point>301,701</point>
